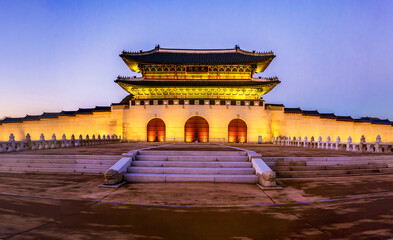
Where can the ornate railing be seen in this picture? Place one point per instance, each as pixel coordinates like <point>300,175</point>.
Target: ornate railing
<point>28,144</point>
<point>362,146</point>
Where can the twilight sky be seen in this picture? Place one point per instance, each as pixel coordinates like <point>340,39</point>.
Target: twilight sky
<point>332,56</point>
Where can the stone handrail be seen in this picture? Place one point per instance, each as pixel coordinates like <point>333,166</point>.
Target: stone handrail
<point>362,146</point>
<point>11,145</point>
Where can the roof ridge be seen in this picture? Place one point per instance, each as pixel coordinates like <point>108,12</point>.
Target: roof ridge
<point>237,49</point>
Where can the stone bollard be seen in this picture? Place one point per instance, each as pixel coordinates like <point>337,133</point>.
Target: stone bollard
<point>72,140</point>
<point>11,143</point>
<point>378,144</point>
<point>63,141</point>
<point>54,141</point>
<point>338,143</point>
<point>362,144</point>
<point>327,145</point>
<point>28,142</point>
<point>349,142</point>
<point>42,142</point>
<point>260,139</point>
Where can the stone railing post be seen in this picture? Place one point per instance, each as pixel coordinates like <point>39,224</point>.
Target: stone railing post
<point>72,143</point>
<point>63,143</point>
<point>378,144</point>
<point>362,144</point>
<point>80,140</point>
<point>319,144</point>
<point>349,142</point>
<point>312,140</point>
<point>338,143</point>
<point>87,140</point>
<point>164,140</point>
<point>93,139</point>
<point>28,142</point>
<point>42,144</point>
<point>327,144</point>
<point>54,141</point>
<point>299,140</point>
<point>305,141</point>
<point>11,143</point>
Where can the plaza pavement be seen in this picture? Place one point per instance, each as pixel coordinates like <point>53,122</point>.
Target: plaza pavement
<point>56,206</point>
<point>34,206</point>
<point>267,150</point>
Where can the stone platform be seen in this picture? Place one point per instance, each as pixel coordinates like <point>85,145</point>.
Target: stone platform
<point>191,163</point>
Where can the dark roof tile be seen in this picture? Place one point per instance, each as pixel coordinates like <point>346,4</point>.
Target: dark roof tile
<point>310,113</point>
<point>328,115</point>
<point>193,56</point>
<point>85,111</point>
<point>50,115</point>
<point>102,109</point>
<point>12,120</point>
<point>293,110</point>
<point>32,118</point>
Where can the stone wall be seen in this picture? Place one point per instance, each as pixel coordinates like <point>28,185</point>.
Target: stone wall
<point>267,121</point>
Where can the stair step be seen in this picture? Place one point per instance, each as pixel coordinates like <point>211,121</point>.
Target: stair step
<point>56,165</point>
<point>190,164</point>
<point>325,172</point>
<point>36,156</point>
<point>198,158</point>
<point>69,161</point>
<point>300,163</point>
<point>143,177</point>
<point>193,153</point>
<point>52,170</point>
<point>357,166</point>
<point>182,170</point>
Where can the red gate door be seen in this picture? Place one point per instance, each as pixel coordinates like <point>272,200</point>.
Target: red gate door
<point>156,130</point>
<point>196,129</point>
<point>237,131</point>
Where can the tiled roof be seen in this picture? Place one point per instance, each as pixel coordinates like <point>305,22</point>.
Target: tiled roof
<point>56,114</point>
<point>197,56</point>
<point>50,115</point>
<point>67,113</point>
<point>102,109</point>
<point>344,118</point>
<point>328,115</point>
<point>274,104</point>
<point>12,120</point>
<point>210,82</point>
<point>382,122</point>
<point>292,110</point>
<point>31,117</point>
<point>85,111</point>
<point>310,113</point>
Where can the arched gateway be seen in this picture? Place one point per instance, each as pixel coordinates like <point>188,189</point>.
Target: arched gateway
<point>156,130</point>
<point>196,129</point>
<point>237,131</point>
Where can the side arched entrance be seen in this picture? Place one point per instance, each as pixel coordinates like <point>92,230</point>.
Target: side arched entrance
<point>156,130</point>
<point>237,131</point>
<point>196,129</point>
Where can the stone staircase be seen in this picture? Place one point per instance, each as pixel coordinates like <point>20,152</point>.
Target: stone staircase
<point>331,166</point>
<point>77,164</point>
<point>191,166</point>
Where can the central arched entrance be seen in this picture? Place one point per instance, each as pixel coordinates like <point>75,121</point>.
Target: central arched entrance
<point>196,129</point>
<point>237,131</point>
<point>156,130</point>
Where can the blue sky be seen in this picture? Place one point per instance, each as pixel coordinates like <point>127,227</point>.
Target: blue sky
<point>332,56</point>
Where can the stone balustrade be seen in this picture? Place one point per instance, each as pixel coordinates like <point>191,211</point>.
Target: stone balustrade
<point>361,146</point>
<point>11,145</point>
